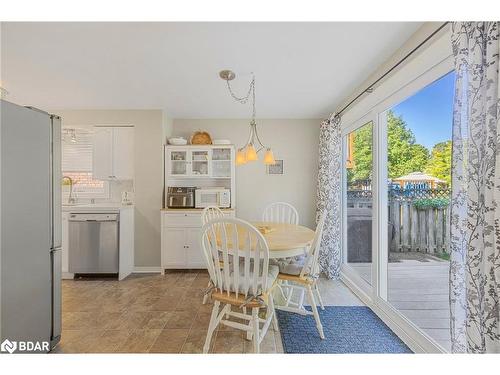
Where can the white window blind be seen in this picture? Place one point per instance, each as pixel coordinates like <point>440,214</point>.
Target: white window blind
<point>77,152</point>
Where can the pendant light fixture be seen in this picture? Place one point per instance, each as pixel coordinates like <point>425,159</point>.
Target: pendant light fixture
<point>249,152</point>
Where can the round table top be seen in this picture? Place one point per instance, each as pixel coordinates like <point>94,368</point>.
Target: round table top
<point>286,240</point>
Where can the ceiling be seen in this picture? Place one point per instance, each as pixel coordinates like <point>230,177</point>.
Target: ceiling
<point>303,70</point>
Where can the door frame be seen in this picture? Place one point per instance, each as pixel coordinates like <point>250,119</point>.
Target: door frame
<point>366,288</point>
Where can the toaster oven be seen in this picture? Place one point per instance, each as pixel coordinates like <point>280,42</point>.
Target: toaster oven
<point>180,197</point>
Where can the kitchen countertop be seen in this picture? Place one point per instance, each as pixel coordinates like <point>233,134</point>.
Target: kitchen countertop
<point>173,210</point>
<point>96,207</point>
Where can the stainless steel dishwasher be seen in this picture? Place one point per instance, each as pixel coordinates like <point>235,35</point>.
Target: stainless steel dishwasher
<point>93,243</point>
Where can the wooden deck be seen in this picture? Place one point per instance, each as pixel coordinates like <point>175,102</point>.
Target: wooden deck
<point>419,290</point>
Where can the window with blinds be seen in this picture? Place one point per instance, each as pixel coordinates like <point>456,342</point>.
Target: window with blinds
<point>77,149</point>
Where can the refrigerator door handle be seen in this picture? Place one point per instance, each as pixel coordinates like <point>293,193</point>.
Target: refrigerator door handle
<point>55,179</point>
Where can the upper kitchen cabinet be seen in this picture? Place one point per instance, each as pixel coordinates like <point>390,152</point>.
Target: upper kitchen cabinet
<point>113,156</point>
<point>199,161</point>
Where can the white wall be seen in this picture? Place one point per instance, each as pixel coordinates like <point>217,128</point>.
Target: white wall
<point>149,135</point>
<point>294,141</point>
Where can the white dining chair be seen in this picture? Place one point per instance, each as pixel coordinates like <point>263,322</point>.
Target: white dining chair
<point>245,284</point>
<point>210,213</point>
<point>281,212</point>
<point>301,273</point>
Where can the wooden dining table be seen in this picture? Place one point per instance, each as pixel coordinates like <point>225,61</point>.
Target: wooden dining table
<point>283,240</point>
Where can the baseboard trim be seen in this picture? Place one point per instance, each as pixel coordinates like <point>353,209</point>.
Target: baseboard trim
<point>140,269</point>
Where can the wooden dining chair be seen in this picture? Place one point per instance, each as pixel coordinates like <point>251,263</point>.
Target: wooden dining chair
<point>281,212</point>
<point>245,284</point>
<point>210,213</point>
<point>301,273</point>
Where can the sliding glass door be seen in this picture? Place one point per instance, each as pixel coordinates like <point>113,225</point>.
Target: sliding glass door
<point>358,202</point>
<point>396,189</point>
<point>418,197</point>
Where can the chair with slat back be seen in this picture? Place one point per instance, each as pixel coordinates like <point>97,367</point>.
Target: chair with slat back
<point>302,273</point>
<point>210,213</point>
<point>281,212</point>
<point>245,284</point>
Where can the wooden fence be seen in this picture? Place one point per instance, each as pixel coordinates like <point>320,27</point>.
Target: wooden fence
<point>424,230</point>
<point>411,229</point>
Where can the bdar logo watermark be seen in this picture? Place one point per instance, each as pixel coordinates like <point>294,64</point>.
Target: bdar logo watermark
<point>8,346</point>
<point>24,346</point>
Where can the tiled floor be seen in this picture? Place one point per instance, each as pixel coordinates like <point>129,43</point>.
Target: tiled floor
<point>157,314</point>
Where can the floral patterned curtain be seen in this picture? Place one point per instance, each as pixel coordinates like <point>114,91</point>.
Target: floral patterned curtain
<point>329,195</point>
<point>475,211</point>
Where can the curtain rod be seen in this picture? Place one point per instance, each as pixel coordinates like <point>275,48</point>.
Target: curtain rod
<point>369,89</point>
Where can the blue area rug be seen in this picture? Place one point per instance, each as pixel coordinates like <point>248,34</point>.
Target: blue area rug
<point>348,329</point>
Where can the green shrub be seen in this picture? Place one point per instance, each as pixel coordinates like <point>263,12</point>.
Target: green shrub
<point>427,203</point>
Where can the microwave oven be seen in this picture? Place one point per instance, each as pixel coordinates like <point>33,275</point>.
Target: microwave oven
<point>180,197</point>
<point>219,197</point>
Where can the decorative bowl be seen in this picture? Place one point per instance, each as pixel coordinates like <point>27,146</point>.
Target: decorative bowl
<point>177,141</point>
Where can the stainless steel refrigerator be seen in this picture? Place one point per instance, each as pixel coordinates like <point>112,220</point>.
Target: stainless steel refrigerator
<point>30,236</point>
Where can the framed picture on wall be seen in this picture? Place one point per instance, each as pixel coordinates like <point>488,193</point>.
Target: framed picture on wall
<point>276,168</point>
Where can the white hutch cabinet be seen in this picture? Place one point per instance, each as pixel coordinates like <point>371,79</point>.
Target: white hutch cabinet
<point>198,166</point>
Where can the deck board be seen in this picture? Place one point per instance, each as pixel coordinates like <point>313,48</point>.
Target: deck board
<point>420,291</point>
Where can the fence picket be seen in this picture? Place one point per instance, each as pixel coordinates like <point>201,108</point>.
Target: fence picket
<point>406,226</point>
<point>414,227</point>
<point>396,210</point>
<point>430,231</point>
<point>447,230</point>
<point>439,231</point>
<point>422,232</point>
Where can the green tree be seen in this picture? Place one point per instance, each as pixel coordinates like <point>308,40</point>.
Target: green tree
<point>362,154</point>
<point>404,155</point>
<point>439,164</point>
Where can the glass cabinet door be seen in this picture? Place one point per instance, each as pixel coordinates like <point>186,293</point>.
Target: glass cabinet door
<point>178,162</point>
<point>221,162</point>
<point>199,163</point>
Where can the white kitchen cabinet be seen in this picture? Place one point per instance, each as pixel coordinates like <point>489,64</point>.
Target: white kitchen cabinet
<point>195,256</point>
<point>188,162</point>
<point>102,153</point>
<point>180,239</point>
<point>113,153</point>
<point>199,161</point>
<point>175,247</point>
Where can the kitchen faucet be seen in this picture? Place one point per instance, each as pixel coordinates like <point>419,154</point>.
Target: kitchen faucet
<point>71,200</point>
